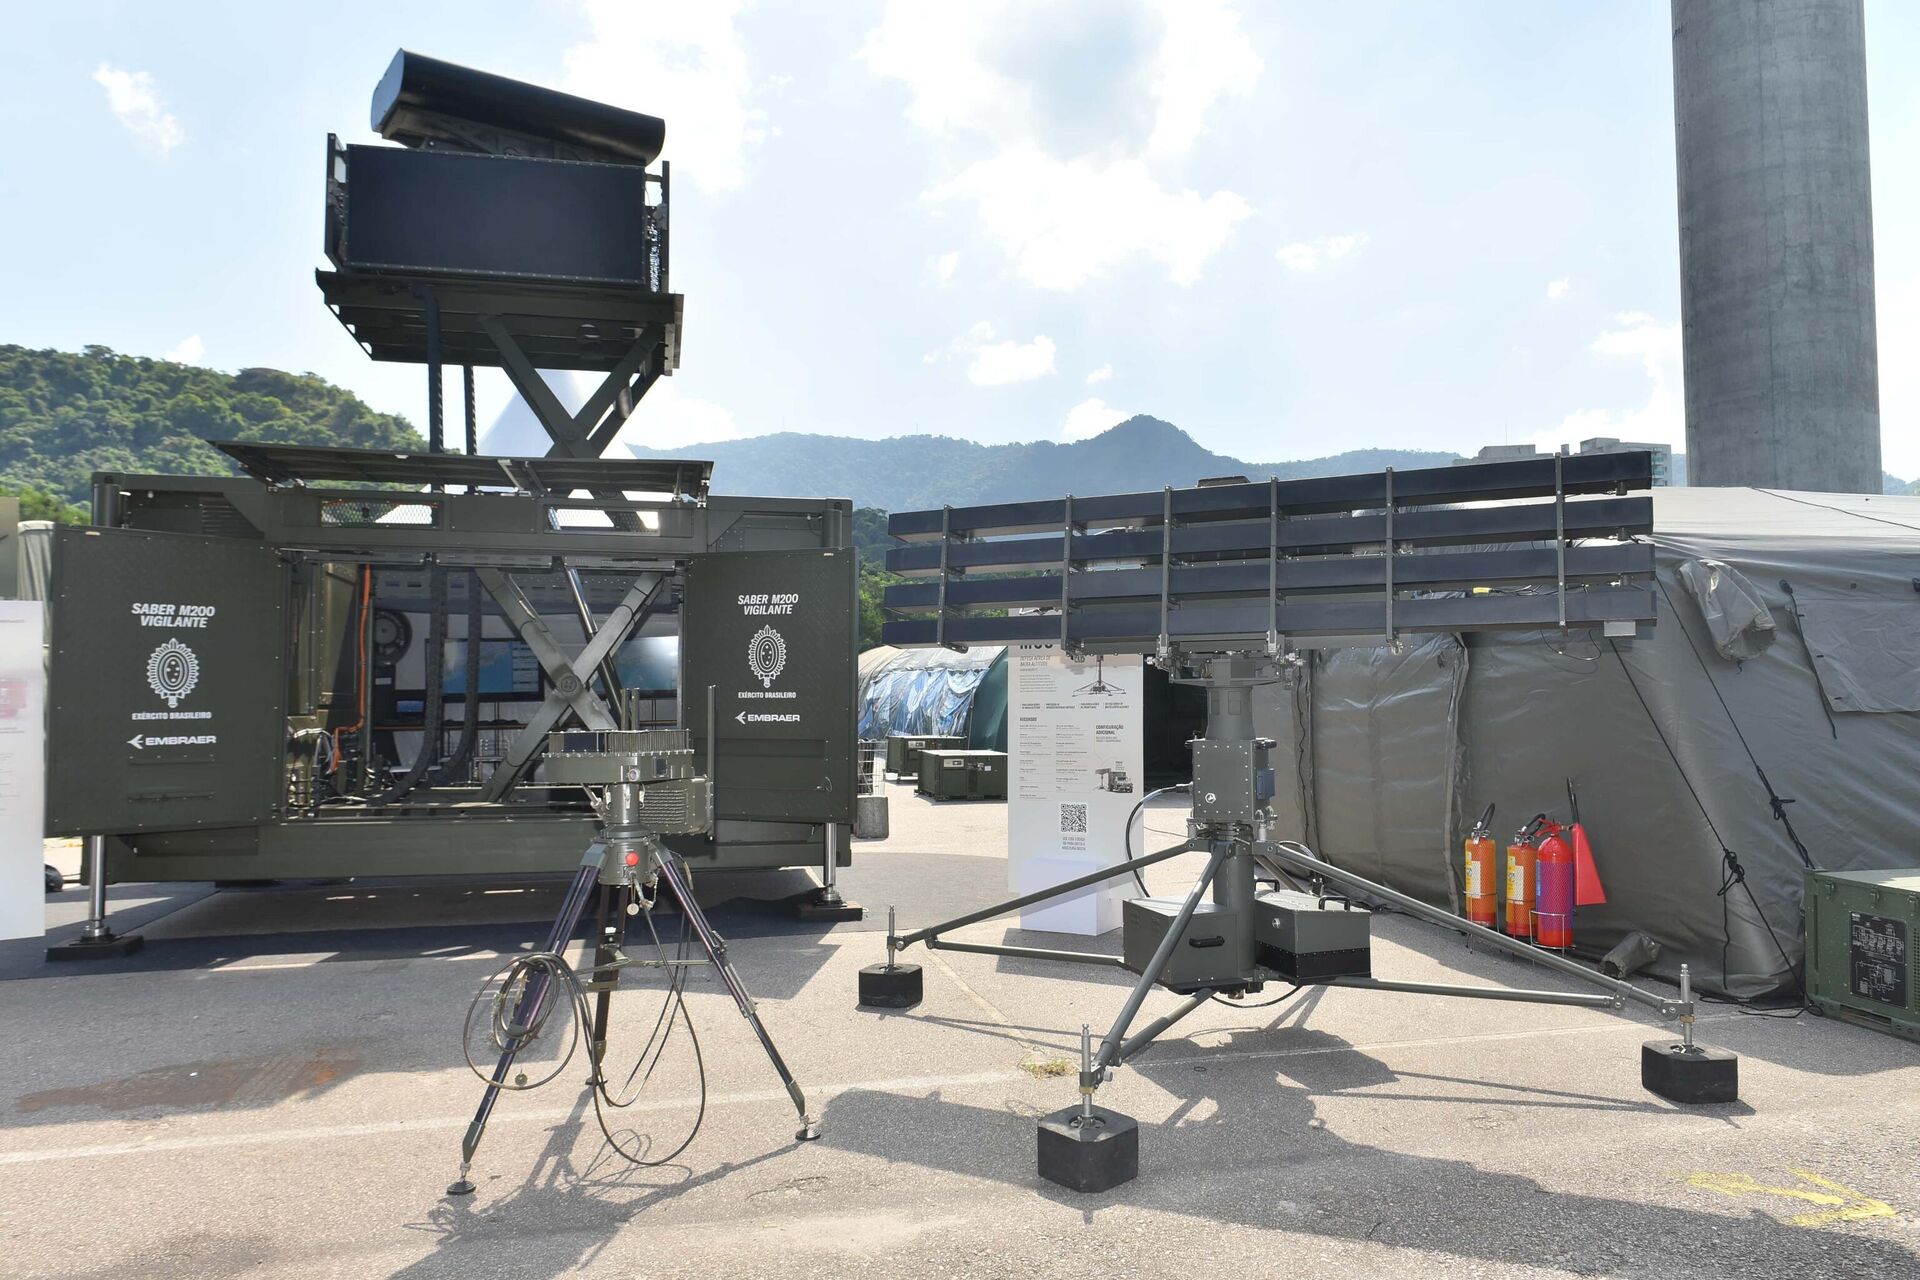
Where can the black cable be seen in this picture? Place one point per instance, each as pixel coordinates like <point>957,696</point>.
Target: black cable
<point>1774,800</point>
<point>508,984</point>
<point>673,1006</point>
<point>447,769</point>
<point>1126,833</point>
<point>1292,991</point>
<point>435,656</point>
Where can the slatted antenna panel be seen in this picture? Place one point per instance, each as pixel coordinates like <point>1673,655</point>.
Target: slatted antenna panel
<point>1553,542</point>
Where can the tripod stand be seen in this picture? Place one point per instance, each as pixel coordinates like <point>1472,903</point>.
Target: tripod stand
<point>627,864</point>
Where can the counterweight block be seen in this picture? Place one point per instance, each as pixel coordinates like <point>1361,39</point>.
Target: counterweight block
<point>890,986</point>
<point>1089,1153</point>
<point>1691,1075</point>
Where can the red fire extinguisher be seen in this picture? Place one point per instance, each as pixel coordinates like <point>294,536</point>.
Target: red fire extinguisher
<point>1521,855</point>
<point>1553,895</point>
<point>1482,890</point>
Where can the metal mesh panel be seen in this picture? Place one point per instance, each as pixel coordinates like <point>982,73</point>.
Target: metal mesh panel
<point>363,511</point>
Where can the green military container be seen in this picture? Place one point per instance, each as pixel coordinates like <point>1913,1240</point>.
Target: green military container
<point>963,775</point>
<point>903,750</point>
<point>987,770</point>
<point>944,774</point>
<point>1862,964</point>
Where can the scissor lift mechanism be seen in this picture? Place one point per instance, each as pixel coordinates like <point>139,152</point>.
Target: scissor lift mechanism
<point>1223,585</point>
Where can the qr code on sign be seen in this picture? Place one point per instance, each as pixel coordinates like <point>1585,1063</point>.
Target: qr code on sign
<point>1073,817</point>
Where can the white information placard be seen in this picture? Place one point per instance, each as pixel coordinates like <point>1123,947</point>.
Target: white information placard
<point>23,733</point>
<point>1075,748</point>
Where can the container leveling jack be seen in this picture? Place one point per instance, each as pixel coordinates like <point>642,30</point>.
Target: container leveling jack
<point>1309,928</point>
<point>649,789</point>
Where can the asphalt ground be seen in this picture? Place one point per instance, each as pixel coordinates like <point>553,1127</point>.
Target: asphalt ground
<point>275,1087</point>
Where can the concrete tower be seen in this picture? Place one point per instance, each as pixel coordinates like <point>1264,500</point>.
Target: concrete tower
<point>1776,244</point>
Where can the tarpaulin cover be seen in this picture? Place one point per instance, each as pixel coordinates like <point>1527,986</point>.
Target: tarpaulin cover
<point>911,691</point>
<point>1736,616</point>
<point>1401,750</point>
<point>1379,724</point>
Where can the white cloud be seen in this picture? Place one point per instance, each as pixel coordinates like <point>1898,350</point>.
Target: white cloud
<point>136,104</point>
<point>1662,419</point>
<point>189,350</point>
<point>669,419</point>
<point>682,62</point>
<point>1558,289</point>
<point>1089,418</point>
<point>1311,255</point>
<point>1066,222</point>
<point>1101,374</point>
<point>1202,57</point>
<point>1054,114</point>
<point>999,364</point>
<point>945,265</point>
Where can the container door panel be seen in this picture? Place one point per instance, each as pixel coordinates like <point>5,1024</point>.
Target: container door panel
<point>167,682</point>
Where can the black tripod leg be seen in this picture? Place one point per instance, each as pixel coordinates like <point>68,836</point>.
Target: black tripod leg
<point>610,930</point>
<point>526,1012</point>
<point>716,948</point>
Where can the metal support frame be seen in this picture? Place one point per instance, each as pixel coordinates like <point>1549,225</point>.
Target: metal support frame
<point>897,942</point>
<point>1298,859</point>
<point>571,679</point>
<point>585,434</point>
<point>1110,1048</point>
<point>1240,845</point>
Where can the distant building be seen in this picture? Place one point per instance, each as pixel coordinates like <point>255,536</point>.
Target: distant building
<point>1662,454</point>
<point>1502,453</point>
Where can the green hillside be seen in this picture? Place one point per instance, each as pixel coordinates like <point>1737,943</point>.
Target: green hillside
<point>65,415</point>
<point>906,473</point>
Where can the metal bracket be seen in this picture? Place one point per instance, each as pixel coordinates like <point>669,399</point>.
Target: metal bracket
<point>1273,567</point>
<point>1066,577</point>
<point>1163,650</point>
<point>940,617</point>
<point>1560,535</point>
<point>1391,637</point>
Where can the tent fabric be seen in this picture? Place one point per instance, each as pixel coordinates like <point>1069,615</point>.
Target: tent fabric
<point>921,691</point>
<point>36,558</point>
<point>987,717</point>
<point>1678,751</point>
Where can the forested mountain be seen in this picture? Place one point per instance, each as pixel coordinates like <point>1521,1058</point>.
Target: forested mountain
<point>65,415</point>
<point>904,473</point>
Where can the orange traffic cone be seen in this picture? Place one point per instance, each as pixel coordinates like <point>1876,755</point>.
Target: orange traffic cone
<point>1587,890</point>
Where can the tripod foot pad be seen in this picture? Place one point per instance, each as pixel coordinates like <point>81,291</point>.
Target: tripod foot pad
<point>1693,1077</point>
<point>890,988</point>
<point>1089,1155</point>
<point>461,1187</point>
<point>839,912</point>
<point>115,947</point>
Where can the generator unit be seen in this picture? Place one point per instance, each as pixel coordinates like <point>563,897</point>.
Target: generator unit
<point>962,775</point>
<point>1861,961</point>
<point>903,750</point>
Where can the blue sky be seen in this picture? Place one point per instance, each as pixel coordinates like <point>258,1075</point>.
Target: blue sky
<point>1290,229</point>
